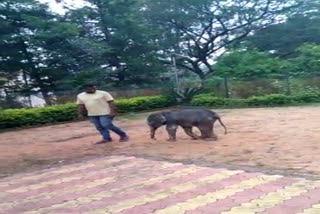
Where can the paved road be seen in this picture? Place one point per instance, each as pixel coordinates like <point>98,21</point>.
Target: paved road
<point>129,185</point>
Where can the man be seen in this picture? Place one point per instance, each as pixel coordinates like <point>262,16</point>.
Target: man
<point>100,108</point>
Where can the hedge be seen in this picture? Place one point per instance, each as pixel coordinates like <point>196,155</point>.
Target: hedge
<point>13,118</point>
<point>27,117</point>
<point>270,100</point>
<point>256,101</point>
<point>282,100</point>
<point>143,103</point>
<point>208,100</point>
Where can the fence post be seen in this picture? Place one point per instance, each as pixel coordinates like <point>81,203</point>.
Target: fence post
<point>226,87</point>
<point>288,83</point>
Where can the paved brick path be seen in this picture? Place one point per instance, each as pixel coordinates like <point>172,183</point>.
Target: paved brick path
<point>131,185</point>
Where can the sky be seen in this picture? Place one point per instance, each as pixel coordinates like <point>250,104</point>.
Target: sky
<point>58,8</point>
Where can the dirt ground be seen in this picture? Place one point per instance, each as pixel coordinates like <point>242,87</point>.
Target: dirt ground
<point>284,139</point>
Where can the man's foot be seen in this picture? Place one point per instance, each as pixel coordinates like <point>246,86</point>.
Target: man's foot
<point>103,141</point>
<point>124,139</point>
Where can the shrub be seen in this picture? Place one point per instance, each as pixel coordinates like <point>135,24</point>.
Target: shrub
<point>208,100</point>
<point>236,103</point>
<point>143,103</point>
<point>12,118</point>
<point>27,117</point>
<point>306,98</point>
<point>269,100</point>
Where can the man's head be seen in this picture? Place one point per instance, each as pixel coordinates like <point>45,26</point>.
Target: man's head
<point>90,88</point>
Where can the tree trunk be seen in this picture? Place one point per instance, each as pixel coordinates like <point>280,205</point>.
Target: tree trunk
<point>46,98</point>
<point>26,82</point>
<point>44,92</point>
<point>34,73</point>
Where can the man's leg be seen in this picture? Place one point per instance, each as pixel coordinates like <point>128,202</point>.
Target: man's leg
<point>103,131</point>
<point>106,122</point>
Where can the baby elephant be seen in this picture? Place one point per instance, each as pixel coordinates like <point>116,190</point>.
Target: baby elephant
<point>201,118</point>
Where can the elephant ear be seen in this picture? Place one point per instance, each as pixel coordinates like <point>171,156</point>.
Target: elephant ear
<point>163,117</point>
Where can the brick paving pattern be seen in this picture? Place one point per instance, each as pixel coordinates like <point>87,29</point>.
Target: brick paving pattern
<point>129,185</point>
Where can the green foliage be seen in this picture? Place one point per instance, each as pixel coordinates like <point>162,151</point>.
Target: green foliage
<point>200,29</point>
<point>12,118</point>
<point>269,100</point>
<point>129,43</point>
<point>307,60</point>
<point>301,28</point>
<point>143,103</point>
<point>208,100</point>
<point>255,101</point>
<point>249,64</point>
<point>33,45</point>
<point>307,98</point>
<point>118,40</point>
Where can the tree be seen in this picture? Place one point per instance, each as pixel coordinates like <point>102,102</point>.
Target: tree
<point>30,35</point>
<point>302,29</point>
<point>249,64</point>
<point>200,30</point>
<point>307,62</point>
<point>117,41</point>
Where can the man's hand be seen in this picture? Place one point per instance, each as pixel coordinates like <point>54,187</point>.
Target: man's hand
<point>112,113</point>
<point>113,110</point>
<point>82,111</point>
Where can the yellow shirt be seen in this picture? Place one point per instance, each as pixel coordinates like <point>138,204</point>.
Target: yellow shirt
<point>97,103</point>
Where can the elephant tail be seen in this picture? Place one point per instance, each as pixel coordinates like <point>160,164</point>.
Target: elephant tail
<point>220,121</point>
